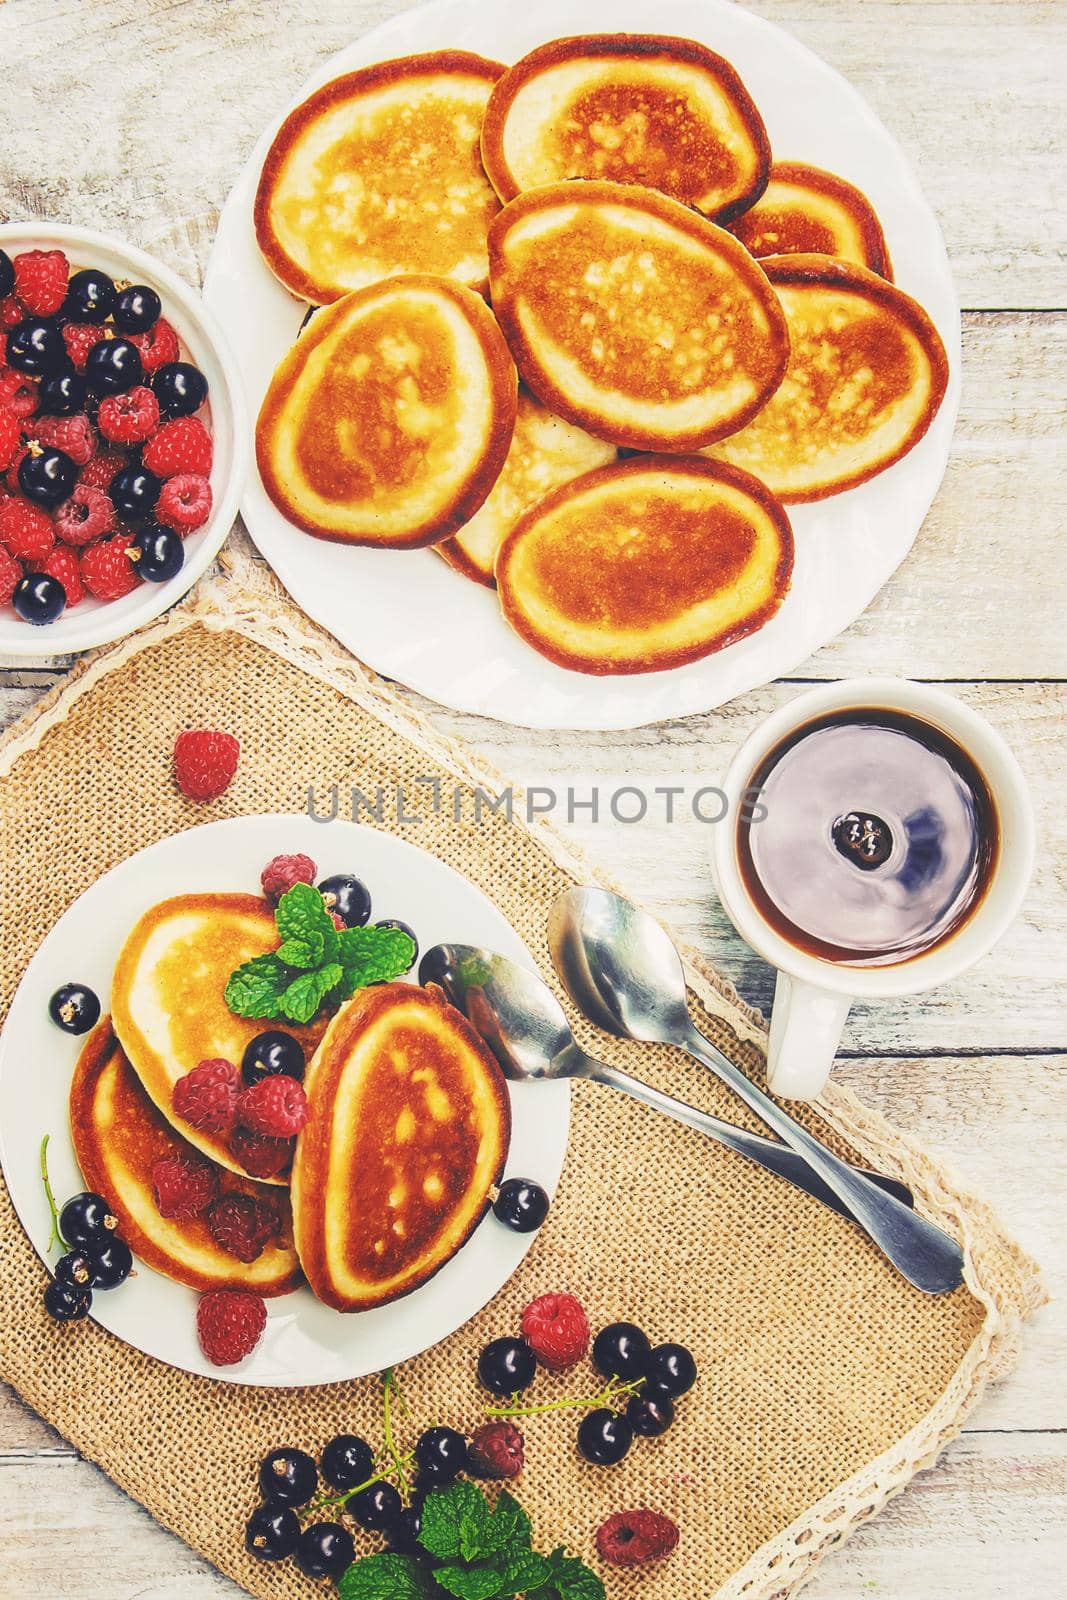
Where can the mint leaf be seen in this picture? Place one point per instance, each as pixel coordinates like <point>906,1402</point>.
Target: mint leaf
<point>478,1582</point>
<point>508,1526</point>
<point>570,1579</point>
<point>302,914</point>
<point>255,989</point>
<point>523,1570</point>
<point>386,1577</point>
<point>454,1522</point>
<point>305,953</point>
<point>305,994</point>
<point>372,955</point>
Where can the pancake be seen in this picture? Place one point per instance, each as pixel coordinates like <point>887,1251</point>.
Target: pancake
<point>379,172</point>
<point>409,1130</point>
<point>633,317</point>
<point>118,1136</point>
<point>805,211</point>
<point>866,376</point>
<point>631,108</point>
<point>545,451</point>
<point>389,419</point>
<point>646,565</point>
<point>167,1004</point>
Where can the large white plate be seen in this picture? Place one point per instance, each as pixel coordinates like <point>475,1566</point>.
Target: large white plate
<point>305,1342</point>
<point>409,615</point>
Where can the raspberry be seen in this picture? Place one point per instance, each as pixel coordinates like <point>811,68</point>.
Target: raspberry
<point>630,1538</point>
<point>10,437</point>
<point>10,573</point>
<point>107,571</point>
<point>41,280</point>
<point>243,1226</point>
<point>158,346</point>
<point>557,1331</point>
<point>229,1325</point>
<point>11,476</point>
<point>496,1450</point>
<point>207,1097</point>
<point>282,872</point>
<point>261,1158</point>
<point>18,394</point>
<point>25,530</point>
<point>98,473</point>
<point>128,418</point>
<point>62,563</point>
<point>86,516</point>
<point>11,311</point>
<point>184,502</point>
<point>275,1107</point>
<point>183,1186</point>
<point>183,445</point>
<point>73,435</point>
<point>80,337</point>
<point>205,762</point>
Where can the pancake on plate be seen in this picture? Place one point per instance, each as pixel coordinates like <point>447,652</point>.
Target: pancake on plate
<point>866,376</point>
<point>167,1003</point>
<point>379,172</point>
<point>805,211</point>
<point>545,451</point>
<point>388,421</point>
<point>118,1136</point>
<point>632,108</point>
<point>634,317</point>
<point>409,1130</point>
<point>646,565</point>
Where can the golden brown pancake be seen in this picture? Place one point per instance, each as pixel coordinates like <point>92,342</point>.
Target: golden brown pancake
<point>805,211</point>
<point>118,1136</point>
<point>866,376</point>
<point>633,317</point>
<point>167,996</point>
<point>646,565</point>
<point>379,172</point>
<point>388,421</point>
<point>545,451</point>
<point>409,1130</point>
<point>631,108</point>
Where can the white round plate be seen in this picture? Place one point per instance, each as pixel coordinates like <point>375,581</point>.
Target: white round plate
<point>96,622</point>
<point>305,1342</point>
<point>413,618</point>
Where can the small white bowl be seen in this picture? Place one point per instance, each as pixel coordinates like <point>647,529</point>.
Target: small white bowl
<point>96,622</point>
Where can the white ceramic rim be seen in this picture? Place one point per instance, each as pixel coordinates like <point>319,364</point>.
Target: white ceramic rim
<point>100,622</point>
<point>1003,897</point>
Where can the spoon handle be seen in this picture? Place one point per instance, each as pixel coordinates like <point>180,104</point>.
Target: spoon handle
<point>928,1258</point>
<point>777,1158</point>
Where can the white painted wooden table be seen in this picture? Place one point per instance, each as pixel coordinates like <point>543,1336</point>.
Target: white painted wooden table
<point>135,115</point>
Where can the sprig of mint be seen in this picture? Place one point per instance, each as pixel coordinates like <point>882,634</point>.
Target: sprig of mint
<point>315,963</point>
<point>474,1551</point>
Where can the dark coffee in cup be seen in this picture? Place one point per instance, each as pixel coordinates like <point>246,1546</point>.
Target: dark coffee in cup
<point>873,838</point>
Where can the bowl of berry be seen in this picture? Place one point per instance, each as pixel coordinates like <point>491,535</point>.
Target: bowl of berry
<point>123,438</point>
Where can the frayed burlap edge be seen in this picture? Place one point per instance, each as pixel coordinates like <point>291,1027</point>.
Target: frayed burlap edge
<point>248,600</point>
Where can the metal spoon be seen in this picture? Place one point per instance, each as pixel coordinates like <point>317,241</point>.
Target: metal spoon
<point>621,969</point>
<point>524,1025</point>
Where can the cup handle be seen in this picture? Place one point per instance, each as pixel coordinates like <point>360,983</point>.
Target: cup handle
<point>806,1028</point>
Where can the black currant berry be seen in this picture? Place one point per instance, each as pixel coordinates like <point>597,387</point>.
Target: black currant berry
<point>7,274</point>
<point>47,476</point>
<point>111,1263</point>
<point>271,1055</point>
<point>113,366</point>
<point>76,1270</point>
<point>604,1437</point>
<point>507,1365</point>
<point>347,1461</point>
<point>87,1219</point>
<point>348,897</point>
<point>160,553</point>
<point>672,1367</point>
<point>66,1302</point>
<point>90,297</point>
<point>403,1534</point>
<point>402,927</point>
<point>74,1008</point>
<point>288,1477</point>
<point>137,309</point>
<point>179,388</point>
<point>134,492</point>
<point>650,1414</point>
<point>521,1205</point>
<point>442,1455</point>
<point>325,1550</point>
<point>620,1351</point>
<point>272,1533</point>
<point>39,599</point>
<point>376,1508</point>
<point>61,394</point>
<point>36,346</point>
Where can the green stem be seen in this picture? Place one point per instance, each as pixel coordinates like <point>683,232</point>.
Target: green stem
<point>388,1389</point>
<point>613,1391</point>
<point>54,1236</point>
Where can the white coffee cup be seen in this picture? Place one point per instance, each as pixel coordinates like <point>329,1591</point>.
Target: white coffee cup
<point>812,995</point>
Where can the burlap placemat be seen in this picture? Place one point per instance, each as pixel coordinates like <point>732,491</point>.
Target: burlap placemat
<point>826,1382</point>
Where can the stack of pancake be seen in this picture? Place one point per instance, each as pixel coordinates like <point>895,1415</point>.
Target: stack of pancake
<point>408,1130</point>
<point>658,284</point>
